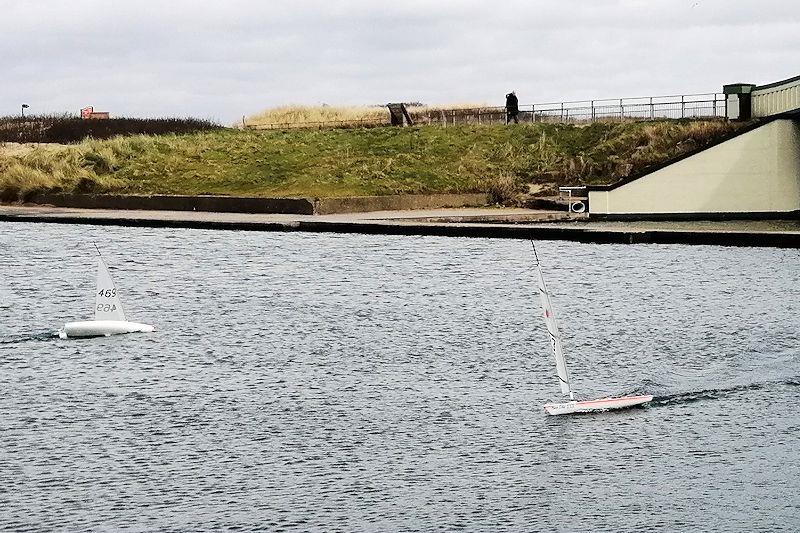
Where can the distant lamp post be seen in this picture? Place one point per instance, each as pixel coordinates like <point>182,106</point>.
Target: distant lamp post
<point>24,107</point>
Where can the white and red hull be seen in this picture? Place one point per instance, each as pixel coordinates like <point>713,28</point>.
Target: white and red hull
<point>593,406</point>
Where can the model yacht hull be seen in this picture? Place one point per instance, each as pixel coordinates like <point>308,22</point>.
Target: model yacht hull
<point>102,328</point>
<point>593,406</point>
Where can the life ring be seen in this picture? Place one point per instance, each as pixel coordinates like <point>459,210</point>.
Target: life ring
<point>577,207</point>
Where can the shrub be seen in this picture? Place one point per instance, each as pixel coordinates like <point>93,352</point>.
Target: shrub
<point>67,129</point>
<point>503,189</point>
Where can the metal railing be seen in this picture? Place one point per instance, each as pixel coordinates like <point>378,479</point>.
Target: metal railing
<point>705,105</point>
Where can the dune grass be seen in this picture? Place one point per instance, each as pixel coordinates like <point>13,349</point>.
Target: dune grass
<point>299,114</point>
<point>353,162</point>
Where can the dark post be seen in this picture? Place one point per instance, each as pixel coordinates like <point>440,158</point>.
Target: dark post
<point>398,115</point>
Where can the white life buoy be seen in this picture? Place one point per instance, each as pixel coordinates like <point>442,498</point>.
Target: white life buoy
<point>577,207</point>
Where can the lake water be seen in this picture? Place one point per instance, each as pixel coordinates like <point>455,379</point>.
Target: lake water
<point>327,382</point>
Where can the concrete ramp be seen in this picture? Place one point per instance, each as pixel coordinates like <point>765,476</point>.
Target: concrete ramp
<point>755,174</point>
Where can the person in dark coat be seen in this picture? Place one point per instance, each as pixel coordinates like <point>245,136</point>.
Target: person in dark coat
<point>512,108</point>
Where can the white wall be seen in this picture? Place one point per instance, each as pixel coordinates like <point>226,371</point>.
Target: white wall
<point>757,172</point>
<point>776,100</point>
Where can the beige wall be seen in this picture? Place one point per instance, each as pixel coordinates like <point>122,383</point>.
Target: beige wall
<point>775,100</point>
<point>757,172</point>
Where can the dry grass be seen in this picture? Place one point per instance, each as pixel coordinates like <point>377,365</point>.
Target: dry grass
<point>299,114</point>
<point>85,167</point>
<point>504,189</point>
<point>9,148</point>
<point>647,144</point>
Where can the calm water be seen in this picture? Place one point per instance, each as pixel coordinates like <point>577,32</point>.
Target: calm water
<point>366,383</point>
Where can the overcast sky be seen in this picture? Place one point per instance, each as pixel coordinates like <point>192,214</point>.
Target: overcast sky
<point>224,59</point>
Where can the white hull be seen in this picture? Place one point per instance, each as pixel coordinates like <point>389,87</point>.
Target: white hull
<point>102,328</point>
<point>593,406</point>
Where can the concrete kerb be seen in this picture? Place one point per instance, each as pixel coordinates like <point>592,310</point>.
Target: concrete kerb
<point>576,233</point>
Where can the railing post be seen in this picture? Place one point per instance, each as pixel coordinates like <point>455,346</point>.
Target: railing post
<point>652,109</point>
<point>562,112</point>
<point>621,111</point>
<point>533,113</point>
<point>715,105</point>
<point>592,106</point>
<point>683,107</point>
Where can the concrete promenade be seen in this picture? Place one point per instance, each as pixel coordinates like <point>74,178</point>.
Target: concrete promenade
<point>464,222</point>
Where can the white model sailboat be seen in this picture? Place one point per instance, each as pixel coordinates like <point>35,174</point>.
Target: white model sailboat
<point>573,405</point>
<point>109,318</point>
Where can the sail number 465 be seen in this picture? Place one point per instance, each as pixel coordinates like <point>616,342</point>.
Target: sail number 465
<point>107,293</point>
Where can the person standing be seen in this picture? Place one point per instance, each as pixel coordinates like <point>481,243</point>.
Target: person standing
<point>512,108</point>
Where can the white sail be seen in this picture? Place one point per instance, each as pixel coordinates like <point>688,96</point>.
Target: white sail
<point>552,329</point>
<point>107,305</point>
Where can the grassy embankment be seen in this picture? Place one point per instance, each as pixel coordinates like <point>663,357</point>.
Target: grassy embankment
<point>351,162</point>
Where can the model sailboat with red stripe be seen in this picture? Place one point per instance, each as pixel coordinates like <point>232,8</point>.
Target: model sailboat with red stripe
<point>572,405</point>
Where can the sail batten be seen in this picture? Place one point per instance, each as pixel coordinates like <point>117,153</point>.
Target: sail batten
<point>552,329</point>
<point>107,303</point>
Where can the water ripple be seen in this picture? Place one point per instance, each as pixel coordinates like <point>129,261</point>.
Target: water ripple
<point>364,383</point>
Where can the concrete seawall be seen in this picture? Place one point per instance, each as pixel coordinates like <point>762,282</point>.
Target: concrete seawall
<point>363,204</point>
<point>242,204</point>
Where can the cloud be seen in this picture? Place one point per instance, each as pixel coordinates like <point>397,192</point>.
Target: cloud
<point>226,59</point>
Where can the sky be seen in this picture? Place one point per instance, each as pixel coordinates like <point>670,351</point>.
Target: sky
<point>221,60</point>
